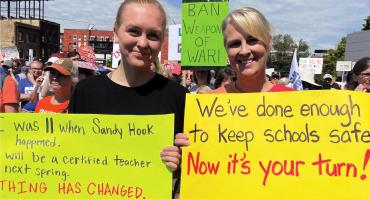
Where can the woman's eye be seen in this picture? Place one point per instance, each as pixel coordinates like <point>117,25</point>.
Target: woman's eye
<point>133,32</point>
<point>252,40</point>
<point>153,36</point>
<point>234,44</point>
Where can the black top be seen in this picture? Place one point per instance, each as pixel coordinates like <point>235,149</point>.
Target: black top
<point>100,95</point>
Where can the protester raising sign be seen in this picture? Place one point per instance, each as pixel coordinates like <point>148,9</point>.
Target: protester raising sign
<point>201,37</point>
<point>84,156</point>
<point>313,144</point>
<point>87,53</point>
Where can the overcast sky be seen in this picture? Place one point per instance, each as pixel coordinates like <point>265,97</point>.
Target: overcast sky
<point>319,22</point>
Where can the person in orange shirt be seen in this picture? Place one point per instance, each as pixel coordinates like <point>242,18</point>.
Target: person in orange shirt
<point>61,77</point>
<point>9,95</point>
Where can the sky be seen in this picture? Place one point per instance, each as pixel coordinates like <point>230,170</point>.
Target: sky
<point>321,23</point>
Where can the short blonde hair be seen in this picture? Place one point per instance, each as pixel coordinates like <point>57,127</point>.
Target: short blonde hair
<point>203,89</point>
<point>252,22</point>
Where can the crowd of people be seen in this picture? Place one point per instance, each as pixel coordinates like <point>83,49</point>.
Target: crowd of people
<point>141,86</point>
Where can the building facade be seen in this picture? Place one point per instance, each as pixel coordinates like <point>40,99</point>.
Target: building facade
<point>100,40</point>
<point>23,26</point>
<point>40,35</point>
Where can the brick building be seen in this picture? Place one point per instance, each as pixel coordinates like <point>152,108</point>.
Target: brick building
<point>101,40</point>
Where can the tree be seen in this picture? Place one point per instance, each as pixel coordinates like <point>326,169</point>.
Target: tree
<point>334,55</point>
<point>302,48</point>
<point>366,25</point>
<point>283,47</point>
<point>283,44</point>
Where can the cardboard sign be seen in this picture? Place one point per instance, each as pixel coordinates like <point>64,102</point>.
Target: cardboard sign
<point>311,64</point>
<point>344,66</point>
<point>311,144</point>
<point>202,40</point>
<point>174,42</point>
<point>9,53</point>
<point>116,55</point>
<point>87,54</point>
<point>84,156</point>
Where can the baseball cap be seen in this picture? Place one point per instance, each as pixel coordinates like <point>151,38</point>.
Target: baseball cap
<point>62,65</point>
<point>328,76</point>
<point>274,74</point>
<point>52,59</point>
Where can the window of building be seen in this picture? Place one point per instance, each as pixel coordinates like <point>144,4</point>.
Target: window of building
<point>85,37</point>
<point>33,38</point>
<point>21,54</point>
<point>20,36</point>
<point>27,37</point>
<point>74,37</point>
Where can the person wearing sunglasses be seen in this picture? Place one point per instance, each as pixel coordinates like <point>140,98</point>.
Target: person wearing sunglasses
<point>61,78</point>
<point>361,75</point>
<point>28,87</point>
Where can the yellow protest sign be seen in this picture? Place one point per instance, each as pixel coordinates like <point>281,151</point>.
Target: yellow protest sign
<point>311,144</point>
<point>84,156</point>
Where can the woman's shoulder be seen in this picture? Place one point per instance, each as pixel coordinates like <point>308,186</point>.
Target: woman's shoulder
<point>280,88</point>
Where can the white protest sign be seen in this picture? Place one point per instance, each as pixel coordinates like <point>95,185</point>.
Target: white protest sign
<point>269,71</point>
<point>344,66</point>
<point>174,42</point>
<point>116,55</point>
<point>8,53</point>
<point>311,64</point>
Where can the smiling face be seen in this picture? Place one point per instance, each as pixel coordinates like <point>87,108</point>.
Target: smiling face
<point>364,78</point>
<point>247,55</point>
<point>140,34</point>
<point>36,69</point>
<point>59,82</point>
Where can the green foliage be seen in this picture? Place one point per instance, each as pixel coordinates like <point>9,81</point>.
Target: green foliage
<point>109,62</point>
<point>334,55</point>
<point>366,25</point>
<point>284,46</point>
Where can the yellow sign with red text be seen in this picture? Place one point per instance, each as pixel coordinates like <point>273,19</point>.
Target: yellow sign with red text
<point>304,144</point>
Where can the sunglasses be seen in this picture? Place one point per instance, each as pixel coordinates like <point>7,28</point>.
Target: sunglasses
<point>365,75</point>
<point>56,74</point>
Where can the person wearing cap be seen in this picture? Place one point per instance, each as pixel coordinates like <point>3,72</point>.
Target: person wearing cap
<point>28,88</point>
<point>9,96</point>
<point>329,83</point>
<point>62,76</point>
<point>275,76</point>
